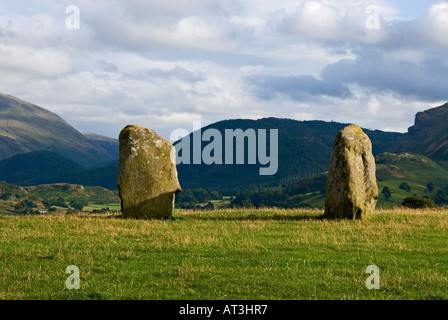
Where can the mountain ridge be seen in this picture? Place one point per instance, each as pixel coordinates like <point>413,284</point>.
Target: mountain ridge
<point>25,127</point>
<point>304,148</point>
<point>107,143</point>
<point>428,135</point>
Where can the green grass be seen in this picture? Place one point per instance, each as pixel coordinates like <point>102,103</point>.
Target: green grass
<point>220,204</point>
<point>112,206</point>
<point>246,254</point>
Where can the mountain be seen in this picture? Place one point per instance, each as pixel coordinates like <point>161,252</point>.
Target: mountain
<point>304,150</point>
<point>428,136</point>
<point>25,127</point>
<point>105,177</point>
<point>107,143</point>
<point>46,167</point>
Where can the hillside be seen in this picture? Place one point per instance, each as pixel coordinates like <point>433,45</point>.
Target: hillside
<point>417,171</point>
<point>60,196</point>
<point>43,167</point>
<point>428,136</point>
<point>25,127</point>
<point>304,150</point>
<point>107,143</point>
<point>422,176</point>
<point>105,177</point>
<point>36,167</point>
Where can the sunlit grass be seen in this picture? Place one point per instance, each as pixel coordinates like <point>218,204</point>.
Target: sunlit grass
<point>226,254</point>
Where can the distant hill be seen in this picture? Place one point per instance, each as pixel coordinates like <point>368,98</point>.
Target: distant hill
<point>415,170</point>
<point>25,127</point>
<point>105,177</point>
<point>423,176</point>
<point>36,167</point>
<point>45,167</point>
<point>304,150</point>
<point>109,144</point>
<point>58,195</point>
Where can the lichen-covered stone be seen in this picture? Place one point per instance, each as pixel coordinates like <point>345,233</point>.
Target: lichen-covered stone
<point>147,175</point>
<point>352,191</point>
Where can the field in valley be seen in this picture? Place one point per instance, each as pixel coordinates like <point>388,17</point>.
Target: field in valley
<point>225,254</point>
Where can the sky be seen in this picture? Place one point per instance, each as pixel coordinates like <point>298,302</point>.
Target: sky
<point>165,64</point>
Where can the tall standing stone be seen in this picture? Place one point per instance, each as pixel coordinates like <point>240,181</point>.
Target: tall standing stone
<point>147,175</point>
<point>352,191</point>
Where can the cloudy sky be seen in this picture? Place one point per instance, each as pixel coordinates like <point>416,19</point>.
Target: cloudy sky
<point>165,64</point>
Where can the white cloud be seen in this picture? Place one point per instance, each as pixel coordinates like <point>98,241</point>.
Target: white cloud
<point>31,62</point>
<point>435,23</point>
<point>164,64</point>
<point>331,21</point>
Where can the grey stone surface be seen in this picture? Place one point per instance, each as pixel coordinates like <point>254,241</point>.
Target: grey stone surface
<point>352,191</point>
<point>147,174</point>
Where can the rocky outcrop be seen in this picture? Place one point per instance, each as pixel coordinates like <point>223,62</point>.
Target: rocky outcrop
<point>428,135</point>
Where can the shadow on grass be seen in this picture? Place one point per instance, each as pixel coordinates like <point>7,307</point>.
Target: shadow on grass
<point>250,217</point>
<point>231,217</point>
<point>212,216</point>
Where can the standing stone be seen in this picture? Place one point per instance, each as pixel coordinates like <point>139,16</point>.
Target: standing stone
<point>352,191</point>
<point>147,175</point>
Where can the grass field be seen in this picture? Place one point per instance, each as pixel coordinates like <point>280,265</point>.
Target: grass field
<point>111,206</point>
<point>246,254</point>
